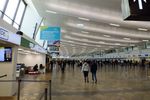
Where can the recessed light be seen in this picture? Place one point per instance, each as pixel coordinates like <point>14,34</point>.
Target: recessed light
<point>145,40</point>
<point>80,25</point>
<point>142,29</point>
<point>71,41</point>
<point>117,44</point>
<point>20,49</point>
<point>84,44</point>
<point>112,24</point>
<point>85,39</point>
<point>126,38</point>
<point>84,32</point>
<point>49,11</point>
<point>101,42</point>
<point>99,46</point>
<point>106,35</point>
<point>132,44</point>
<point>81,18</point>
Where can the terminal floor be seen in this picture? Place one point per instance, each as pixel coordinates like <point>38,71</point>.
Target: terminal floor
<point>114,83</point>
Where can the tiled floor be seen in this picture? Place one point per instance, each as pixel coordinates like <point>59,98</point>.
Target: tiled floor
<point>120,83</point>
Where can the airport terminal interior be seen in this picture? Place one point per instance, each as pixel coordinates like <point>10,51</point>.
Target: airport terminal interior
<point>74,50</point>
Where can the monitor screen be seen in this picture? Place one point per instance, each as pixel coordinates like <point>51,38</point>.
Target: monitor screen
<point>5,54</point>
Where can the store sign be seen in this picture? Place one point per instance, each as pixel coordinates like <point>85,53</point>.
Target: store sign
<point>50,33</point>
<point>39,49</point>
<point>136,10</point>
<point>28,44</point>
<point>5,35</point>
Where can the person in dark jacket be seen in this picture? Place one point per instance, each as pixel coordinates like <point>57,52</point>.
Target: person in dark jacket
<point>93,71</point>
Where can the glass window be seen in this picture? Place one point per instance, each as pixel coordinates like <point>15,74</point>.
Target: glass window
<point>11,9</point>
<point>20,12</point>
<point>8,20</point>
<point>2,4</point>
<point>16,26</point>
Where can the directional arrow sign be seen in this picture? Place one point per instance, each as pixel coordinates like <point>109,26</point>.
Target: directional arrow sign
<point>140,3</point>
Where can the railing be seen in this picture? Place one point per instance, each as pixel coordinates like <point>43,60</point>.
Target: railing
<point>47,91</point>
<point>3,76</point>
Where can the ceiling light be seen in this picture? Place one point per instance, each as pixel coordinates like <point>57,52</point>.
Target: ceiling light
<point>71,41</point>
<point>117,44</point>
<point>112,24</point>
<point>126,38</point>
<point>83,18</point>
<point>101,42</point>
<point>132,44</point>
<point>84,44</point>
<point>106,35</point>
<point>49,11</point>
<point>20,49</point>
<point>99,46</point>
<point>85,39</point>
<point>84,32</point>
<point>142,29</point>
<point>80,25</point>
<point>145,40</point>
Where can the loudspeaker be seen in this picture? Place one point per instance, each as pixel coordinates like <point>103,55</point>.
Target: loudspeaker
<point>19,32</point>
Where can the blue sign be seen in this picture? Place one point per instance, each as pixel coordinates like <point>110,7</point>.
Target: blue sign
<point>50,33</point>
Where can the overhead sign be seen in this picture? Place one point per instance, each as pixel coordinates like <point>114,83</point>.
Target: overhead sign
<point>8,36</point>
<point>53,43</point>
<point>50,33</point>
<point>137,10</point>
<point>140,3</point>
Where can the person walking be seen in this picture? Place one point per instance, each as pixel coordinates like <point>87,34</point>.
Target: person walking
<point>93,71</point>
<point>85,69</point>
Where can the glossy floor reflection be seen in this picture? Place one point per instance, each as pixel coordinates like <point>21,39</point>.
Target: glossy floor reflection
<point>114,83</point>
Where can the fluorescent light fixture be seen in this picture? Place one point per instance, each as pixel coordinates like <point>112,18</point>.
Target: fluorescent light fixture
<point>84,32</point>
<point>117,44</point>
<point>132,44</point>
<point>112,24</point>
<point>145,40</point>
<point>80,25</point>
<point>111,47</point>
<point>20,49</point>
<point>127,38</point>
<point>101,42</point>
<point>106,35</point>
<point>85,19</point>
<point>72,45</point>
<point>84,44</point>
<point>71,41</point>
<point>99,46</point>
<point>49,11</point>
<point>142,29</point>
<point>85,39</point>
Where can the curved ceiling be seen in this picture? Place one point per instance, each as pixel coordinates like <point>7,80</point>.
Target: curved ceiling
<point>91,25</point>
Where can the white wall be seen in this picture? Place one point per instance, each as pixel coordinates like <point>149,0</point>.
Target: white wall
<point>9,68</point>
<point>31,59</point>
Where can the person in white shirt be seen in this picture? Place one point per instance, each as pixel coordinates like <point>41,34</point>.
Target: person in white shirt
<point>85,69</point>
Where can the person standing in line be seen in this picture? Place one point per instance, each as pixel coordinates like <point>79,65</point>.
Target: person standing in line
<point>93,71</point>
<point>85,69</point>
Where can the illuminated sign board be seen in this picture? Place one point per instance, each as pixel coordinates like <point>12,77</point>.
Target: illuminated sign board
<point>8,36</point>
<point>137,10</point>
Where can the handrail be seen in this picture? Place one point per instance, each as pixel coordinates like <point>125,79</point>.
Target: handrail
<point>19,85</point>
<point>3,76</point>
